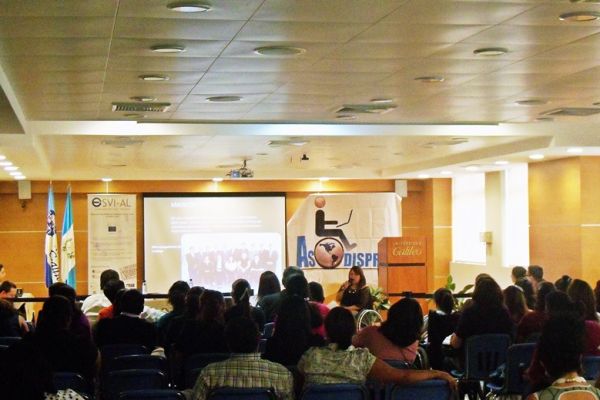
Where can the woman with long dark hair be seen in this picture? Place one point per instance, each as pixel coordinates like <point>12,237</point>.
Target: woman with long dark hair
<point>532,323</point>
<point>514,300</point>
<point>268,284</point>
<point>441,322</point>
<point>354,294</point>
<point>240,294</point>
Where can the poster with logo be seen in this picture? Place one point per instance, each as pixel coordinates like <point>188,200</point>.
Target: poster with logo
<point>342,230</point>
<point>111,238</point>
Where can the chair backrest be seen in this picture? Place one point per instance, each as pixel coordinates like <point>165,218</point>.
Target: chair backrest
<point>139,361</point>
<point>194,364</point>
<point>484,353</point>
<point>118,382</point>
<point>9,340</point>
<point>337,391</point>
<point>152,394</point>
<point>268,330</point>
<point>517,361</point>
<point>422,359</point>
<point>70,380</point>
<point>591,367</point>
<point>262,346</point>
<point>430,390</point>
<point>110,352</point>
<point>227,393</point>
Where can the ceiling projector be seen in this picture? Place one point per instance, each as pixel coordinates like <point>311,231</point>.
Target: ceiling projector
<point>242,172</point>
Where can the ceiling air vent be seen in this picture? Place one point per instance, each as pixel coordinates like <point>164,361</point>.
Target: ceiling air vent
<point>376,108</point>
<point>122,141</point>
<point>453,141</point>
<point>572,112</point>
<point>141,107</point>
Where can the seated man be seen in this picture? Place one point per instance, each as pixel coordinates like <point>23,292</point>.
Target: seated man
<point>93,303</point>
<point>245,368</point>
<point>127,327</point>
<point>8,290</point>
<point>111,289</point>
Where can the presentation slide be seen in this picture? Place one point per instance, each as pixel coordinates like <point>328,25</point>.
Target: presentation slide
<point>212,240</point>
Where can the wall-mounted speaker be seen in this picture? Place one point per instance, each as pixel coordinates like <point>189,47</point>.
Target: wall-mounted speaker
<point>401,187</point>
<point>24,190</point>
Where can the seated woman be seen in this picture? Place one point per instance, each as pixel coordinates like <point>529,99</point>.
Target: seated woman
<point>240,294</point>
<point>441,323</point>
<point>531,324</point>
<point>292,336</point>
<point>560,350</point>
<point>340,362</point>
<point>398,337</point>
<point>11,323</point>
<point>354,294</point>
<point>514,300</point>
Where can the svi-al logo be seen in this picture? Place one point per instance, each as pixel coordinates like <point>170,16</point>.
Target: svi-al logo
<point>96,202</point>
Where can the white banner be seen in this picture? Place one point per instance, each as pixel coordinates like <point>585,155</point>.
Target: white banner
<point>111,238</point>
<point>342,230</point>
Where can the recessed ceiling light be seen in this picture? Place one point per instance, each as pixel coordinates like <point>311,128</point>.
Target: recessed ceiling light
<point>446,173</point>
<point>472,168</point>
<point>5,163</point>
<point>323,179</point>
<point>2,157</point>
<point>11,168</point>
<point>430,79</point>
<point>382,101</point>
<point>580,16</point>
<point>536,156</point>
<point>106,179</point>
<point>153,77</point>
<point>490,51</point>
<point>188,6</point>
<point>574,150</point>
<point>20,177</point>
<point>422,176</point>
<point>143,99</point>
<point>501,162</point>
<point>167,48</point>
<point>217,179</point>
<point>223,99</point>
<point>15,173</point>
<point>347,117</point>
<point>531,102</point>
<point>279,51</point>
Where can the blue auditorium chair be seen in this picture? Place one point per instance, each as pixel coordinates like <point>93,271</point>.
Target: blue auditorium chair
<point>430,390</point>
<point>591,367</point>
<point>194,364</point>
<point>337,391</point>
<point>517,361</point>
<point>118,382</point>
<point>139,361</point>
<point>228,393</point>
<point>152,394</point>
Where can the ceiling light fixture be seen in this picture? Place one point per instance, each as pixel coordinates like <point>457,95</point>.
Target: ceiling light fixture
<point>154,77</point>
<point>20,177</point>
<point>143,99</point>
<point>106,179</point>
<point>2,157</point>
<point>536,156</point>
<point>188,6</point>
<point>423,176</point>
<point>279,51</point>
<point>580,16</point>
<point>223,99</point>
<point>11,168</point>
<point>15,173</point>
<point>168,48</point>
<point>446,173</point>
<point>382,101</point>
<point>574,150</point>
<point>531,102</point>
<point>5,163</point>
<point>472,168</point>
<point>501,162</point>
<point>217,179</point>
<point>430,79</point>
<point>346,117</point>
<point>490,51</point>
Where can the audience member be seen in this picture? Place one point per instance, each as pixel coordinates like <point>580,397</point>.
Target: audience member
<point>268,284</point>
<point>441,323</point>
<point>560,350</point>
<point>95,302</point>
<point>316,297</point>
<point>80,325</point>
<point>354,294</point>
<point>339,362</point>
<point>582,294</point>
<point>514,300</point>
<point>597,295</point>
<point>270,303</point>
<point>240,294</point>
<point>518,273</point>
<point>127,327</point>
<point>535,274</point>
<point>177,293</point>
<point>293,335</point>
<point>398,337</point>
<point>563,283</point>
<point>11,323</point>
<point>175,326</point>
<point>8,290</point>
<point>245,368</point>
<point>528,291</point>
<point>532,323</point>
<point>111,288</point>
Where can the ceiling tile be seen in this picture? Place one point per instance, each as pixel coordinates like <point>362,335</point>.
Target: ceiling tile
<point>55,27</point>
<point>154,89</point>
<point>548,14</point>
<point>176,29</point>
<point>224,64</point>
<point>206,116</point>
<point>57,88</point>
<point>221,10</point>
<point>573,51</point>
<point>408,78</point>
<point>62,8</point>
<point>289,108</point>
<point>357,65</point>
<point>141,47</point>
<point>54,77</point>
<point>299,99</point>
<point>504,79</point>
<point>53,63</point>
<point>216,107</point>
<point>386,50</point>
<point>414,33</point>
<point>242,88</point>
<point>133,76</point>
<point>464,51</point>
<point>239,48</point>
<point>248,77</point>
<point>54,46</point>
<point>505,35</point>
<point>540,65</point>
<point>434,66</point>
<point>202,98</point>
<point>195,64</point>
<point>300,31</point>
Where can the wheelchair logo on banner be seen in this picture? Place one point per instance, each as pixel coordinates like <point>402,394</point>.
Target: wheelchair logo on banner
<point>329,251</point>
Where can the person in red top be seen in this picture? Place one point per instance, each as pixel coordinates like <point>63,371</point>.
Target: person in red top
<point>110,290</point>
<point>532,323</point>
<point>316,297</point>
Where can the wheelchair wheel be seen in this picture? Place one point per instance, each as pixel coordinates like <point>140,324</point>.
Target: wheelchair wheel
<point>367,318</point>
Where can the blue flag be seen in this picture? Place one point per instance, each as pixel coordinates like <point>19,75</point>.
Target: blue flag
<point>67,244</point>
<point>51,248</point>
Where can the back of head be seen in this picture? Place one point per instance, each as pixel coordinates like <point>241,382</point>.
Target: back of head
<point>7,286</point>
<point>340,327</point>
<point>293,318</point>
<point>240,291</point>
<point>404,322</point>
<point>315,292</point>
<point>64,290</point>
<point>111,288</point>
<point>177,293</point>
<point>514,300</point>
<point>297,285</point>
<point>528,292</point>
<point>56,315</point>
<point>518,272</point>
<point>268,284</point>
<point>288,273</point>
<point>132,302</point>
<point>482,276</point>
<point>241,335</point>
<point>487,294</point>
<point>211,306</point>
<point>536,272</point>
<point>6,309</point>
<point>192,301</point>
<point>444,300</point>
<point>581,292</point>
<point>561,345</point>
<point>563,283</point>
<point>108,275</point>
<point>559,304</point>
<point>544,290</point>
